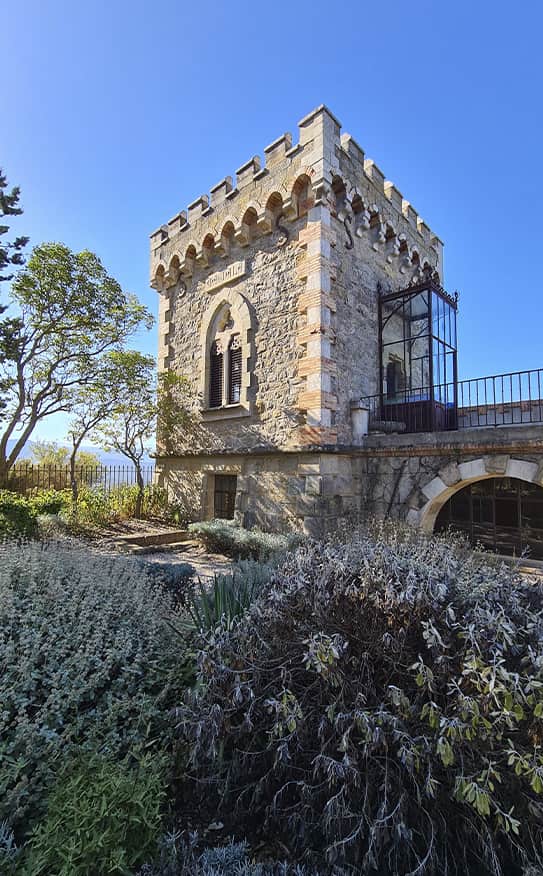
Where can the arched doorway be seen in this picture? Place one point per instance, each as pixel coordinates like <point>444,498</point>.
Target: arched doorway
<point>502,514</point>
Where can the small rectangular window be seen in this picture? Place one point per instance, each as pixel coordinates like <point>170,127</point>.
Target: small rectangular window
<point>225,496</point>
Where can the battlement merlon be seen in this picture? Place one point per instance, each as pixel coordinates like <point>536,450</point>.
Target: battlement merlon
<point>262,193</point>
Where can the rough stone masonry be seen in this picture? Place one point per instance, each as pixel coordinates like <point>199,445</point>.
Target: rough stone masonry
<point>277,274</point>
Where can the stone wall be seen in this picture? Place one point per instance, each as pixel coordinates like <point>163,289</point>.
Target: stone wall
<point>410,477</point>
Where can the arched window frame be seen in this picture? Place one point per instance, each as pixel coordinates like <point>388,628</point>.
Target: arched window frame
<point>227,332</point>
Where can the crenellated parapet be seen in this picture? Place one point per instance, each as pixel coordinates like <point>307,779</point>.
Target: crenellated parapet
<point>307,223</point>
<point>322,167</point>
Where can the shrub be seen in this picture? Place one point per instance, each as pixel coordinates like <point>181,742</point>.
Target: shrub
<point>50,501</point>
<point>175,578</point>
<point>228,597</point>
<point>224,536</point>
<point>381,705</point>
<point>87,659</point>
<point>17,516</point>
<point>96,507</point>
<point>179,857</point>
<point>103,817</point>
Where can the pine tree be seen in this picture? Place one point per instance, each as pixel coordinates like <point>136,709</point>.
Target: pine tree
<point>10,252</point>
<point>11,255</point>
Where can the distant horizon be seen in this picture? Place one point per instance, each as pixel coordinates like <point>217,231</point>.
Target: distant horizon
<point>106,457</point>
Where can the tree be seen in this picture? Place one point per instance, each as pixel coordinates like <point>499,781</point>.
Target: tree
<point>10,252</point>
<point>10,255</point>
<point>52,453</point>
<point>69,313</point>
<point>91,404</point>
<point>146,404</point>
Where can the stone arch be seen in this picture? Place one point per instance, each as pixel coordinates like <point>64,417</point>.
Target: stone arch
<point>174,269</point>
<point>158,282</point>
<point>189,260</point>
<point>302,195</point>
<point>273,209</point>
<point>339,189</point>
<point>226,239</point>
<point>455,476</point>
<point>208,247</point>
<point>357,204</point>
<point>248,228</point>
<point>229,305</point>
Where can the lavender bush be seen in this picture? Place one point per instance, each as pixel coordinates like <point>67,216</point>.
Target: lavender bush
<point>87,662</point>
<point>379,708</point>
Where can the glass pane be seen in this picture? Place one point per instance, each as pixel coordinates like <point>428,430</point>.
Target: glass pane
<point>393,322</point>
<point>460,506</point>
<point>394,370</point>
<point>436,304</point>
<point>507,513</point>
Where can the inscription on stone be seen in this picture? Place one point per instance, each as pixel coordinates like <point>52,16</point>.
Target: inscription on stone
<point>235,270</point>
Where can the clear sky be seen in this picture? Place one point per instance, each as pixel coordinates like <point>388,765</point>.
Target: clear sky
<point>116,115</point>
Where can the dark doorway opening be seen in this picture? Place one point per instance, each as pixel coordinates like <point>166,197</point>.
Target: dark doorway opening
<point>501,514</point>
<point>225,496</point>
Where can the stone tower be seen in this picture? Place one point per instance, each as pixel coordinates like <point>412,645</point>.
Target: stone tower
<point>269,291</point>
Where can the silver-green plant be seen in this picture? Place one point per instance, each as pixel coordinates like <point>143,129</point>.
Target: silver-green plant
<point>381,706</point>
<point>180,856</point>
<point>87,661</point>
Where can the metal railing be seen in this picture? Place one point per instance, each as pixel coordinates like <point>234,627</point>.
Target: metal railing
<point>499,400</point>
<point>25,477</point>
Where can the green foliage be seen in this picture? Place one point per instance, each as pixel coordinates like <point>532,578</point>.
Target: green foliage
<point>96,507</point>
<point>380,705</point>
<point>225,537</point>
<point>143,403</point>
<point>17,516</point>
<point>88,659</point>
<point>228,597</point>
<point>54,454</point>
<point>10,253</point>
<point>103,817</point>
<point>68,313</point>
<point>49,501</point>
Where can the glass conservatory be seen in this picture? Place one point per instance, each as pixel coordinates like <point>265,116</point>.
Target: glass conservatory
<point>418,370</point>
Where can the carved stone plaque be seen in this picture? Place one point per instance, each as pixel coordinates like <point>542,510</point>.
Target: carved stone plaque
<point>232,272</point>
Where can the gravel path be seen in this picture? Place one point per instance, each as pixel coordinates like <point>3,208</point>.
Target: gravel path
<point>205,565</point>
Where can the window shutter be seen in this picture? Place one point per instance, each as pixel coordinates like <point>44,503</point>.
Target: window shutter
<point>234,371</point>
<point>215,376</point>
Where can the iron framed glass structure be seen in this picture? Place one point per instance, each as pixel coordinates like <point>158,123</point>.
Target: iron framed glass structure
<point>418,357</point>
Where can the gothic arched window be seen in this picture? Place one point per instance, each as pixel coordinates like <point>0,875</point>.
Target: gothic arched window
<point>227,358</point>
<point>225,361</point>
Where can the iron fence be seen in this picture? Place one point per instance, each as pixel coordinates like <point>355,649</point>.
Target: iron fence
<point>26,477</point>
<point>498,400</point>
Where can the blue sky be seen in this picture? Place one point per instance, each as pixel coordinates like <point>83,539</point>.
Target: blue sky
<point>117,114</point>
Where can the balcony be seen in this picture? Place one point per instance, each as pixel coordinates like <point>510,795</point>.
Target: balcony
<point>511,399</point>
